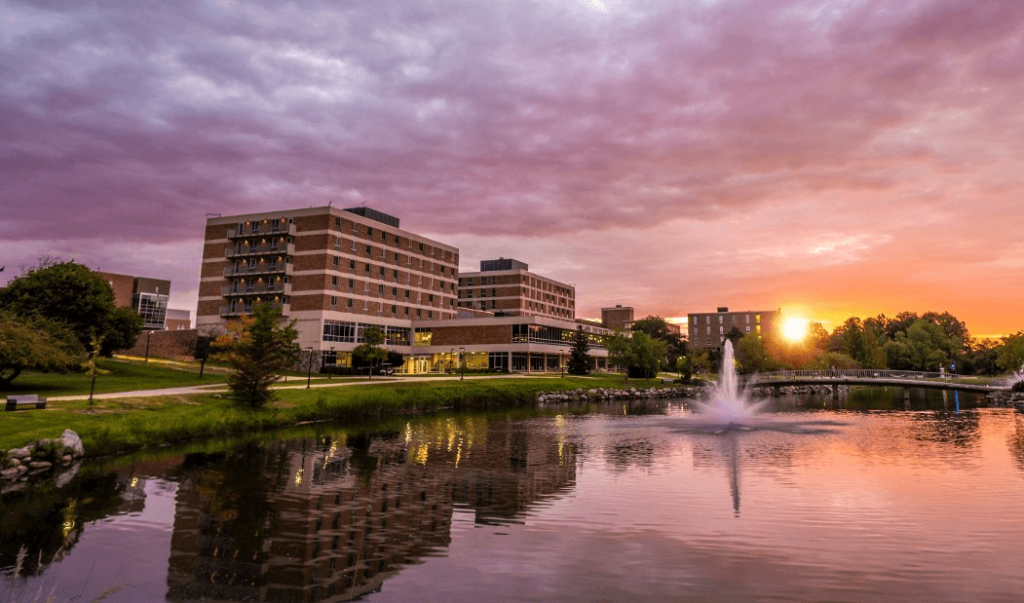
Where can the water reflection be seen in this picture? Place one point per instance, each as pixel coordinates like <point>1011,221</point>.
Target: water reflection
<point>330,519</point>
<point>612,505</point>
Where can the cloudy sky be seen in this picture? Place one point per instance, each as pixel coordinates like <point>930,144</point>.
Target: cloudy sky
<point>828,157</point>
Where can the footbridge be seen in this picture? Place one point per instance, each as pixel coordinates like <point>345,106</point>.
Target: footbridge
<point>892,378</point>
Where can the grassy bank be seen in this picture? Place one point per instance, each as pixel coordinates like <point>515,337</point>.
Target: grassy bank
<point>115,376</point>
<point>123,425</point>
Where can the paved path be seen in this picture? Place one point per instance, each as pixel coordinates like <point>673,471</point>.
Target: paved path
<point>294,383</point>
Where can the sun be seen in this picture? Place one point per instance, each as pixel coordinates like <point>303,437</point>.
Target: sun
<point>795,329</point>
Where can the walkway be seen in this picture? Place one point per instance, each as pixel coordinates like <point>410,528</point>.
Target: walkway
<point>292,383</point>
<point>873,377</point>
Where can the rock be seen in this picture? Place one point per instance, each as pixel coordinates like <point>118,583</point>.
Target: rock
<point>22,469</point>
<point>13,462</point>
<point>40,465</point>
<point>11,473</point>
<point>72,443</point>
<point>66,459</point>
<point>20,453</point>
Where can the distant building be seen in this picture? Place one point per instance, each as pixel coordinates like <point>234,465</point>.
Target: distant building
<point>506,287</point>
<point>148,296</point>
<point>619,317</point>
<point>708,330</point>
<point>178,320</point>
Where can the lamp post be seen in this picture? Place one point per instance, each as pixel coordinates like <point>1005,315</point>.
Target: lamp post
<point>462,361</point>
<point>149,335</point>
<point>309,366</point>
<point>335,359</point>
<point>451,361</point>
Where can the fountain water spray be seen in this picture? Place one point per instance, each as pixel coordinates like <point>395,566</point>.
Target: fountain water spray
<point>728,405</point>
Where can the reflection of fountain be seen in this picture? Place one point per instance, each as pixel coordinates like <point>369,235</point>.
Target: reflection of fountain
<point>728,406</point>
<point>1017,376</point>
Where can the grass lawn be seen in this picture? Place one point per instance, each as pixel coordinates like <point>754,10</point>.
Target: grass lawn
<point>127,424</point>
<point>115,376</point>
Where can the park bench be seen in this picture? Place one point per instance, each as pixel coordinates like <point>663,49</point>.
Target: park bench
<point>25,402</point>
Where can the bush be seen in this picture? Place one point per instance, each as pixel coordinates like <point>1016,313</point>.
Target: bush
<point>1017,387</point>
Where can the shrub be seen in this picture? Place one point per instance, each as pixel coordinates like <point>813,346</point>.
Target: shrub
<point>1017,387</point>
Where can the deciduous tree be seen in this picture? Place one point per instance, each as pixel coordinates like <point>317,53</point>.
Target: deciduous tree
<point>35,344</point>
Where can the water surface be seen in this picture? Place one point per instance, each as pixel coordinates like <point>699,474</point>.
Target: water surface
<point>625,503</point>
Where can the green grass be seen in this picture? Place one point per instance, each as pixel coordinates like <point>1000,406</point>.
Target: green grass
<point>116,376</point>
<point>128,424</point>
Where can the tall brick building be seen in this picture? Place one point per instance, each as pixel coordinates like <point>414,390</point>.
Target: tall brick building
<point>708,330</point>
<point>506,287</point>
<point>334,271</point>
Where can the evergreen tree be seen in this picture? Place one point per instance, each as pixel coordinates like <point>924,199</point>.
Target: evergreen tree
<point>259,349</point>
<point>579,360</point>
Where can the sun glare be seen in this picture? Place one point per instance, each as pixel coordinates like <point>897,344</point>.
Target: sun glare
<point>795,329</point>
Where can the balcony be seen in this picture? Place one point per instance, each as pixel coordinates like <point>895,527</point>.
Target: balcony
<point>263,268</point>
<point>243,309</point>
<point>258,250</point>
<point>261,230</point>
<point>242,289</point>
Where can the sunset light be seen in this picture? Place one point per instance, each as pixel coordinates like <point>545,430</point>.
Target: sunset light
<point>795,328</point>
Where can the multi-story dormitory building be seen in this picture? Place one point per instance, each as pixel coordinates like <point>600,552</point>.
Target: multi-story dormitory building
<point>506,287</point>
<point>337,272</point>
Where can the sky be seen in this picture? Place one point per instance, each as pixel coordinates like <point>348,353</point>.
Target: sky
<point>830,158</point>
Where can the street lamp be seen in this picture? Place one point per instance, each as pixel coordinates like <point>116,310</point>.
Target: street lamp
<point>462,361</point>
<point>309,366</point>
<point>149,335</point>
<point>335,359</point>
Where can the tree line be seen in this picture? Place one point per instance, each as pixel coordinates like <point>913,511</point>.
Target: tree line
<point>931,341</point>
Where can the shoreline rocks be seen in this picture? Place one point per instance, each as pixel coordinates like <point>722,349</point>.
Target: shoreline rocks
<point>605,394</point>
<point>60,456</point>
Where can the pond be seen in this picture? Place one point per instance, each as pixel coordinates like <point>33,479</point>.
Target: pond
<point>829,502</point>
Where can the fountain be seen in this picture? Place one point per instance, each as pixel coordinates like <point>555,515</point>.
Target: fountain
<point>729,409</point>
<point>728,406</point>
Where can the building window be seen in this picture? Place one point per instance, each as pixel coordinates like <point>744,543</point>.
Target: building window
<point>337,261</point>
<point>337,223</point>
<point>348,303</point>
<point>334,282</point>
<point>334,301</point>
<point>351,264</point>
<point>369,231</point>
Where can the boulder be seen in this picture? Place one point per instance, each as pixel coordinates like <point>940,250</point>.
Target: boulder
<point>20,453</point>
<point>72,443</point>
<point>40,465</point>
<point>9,473</point>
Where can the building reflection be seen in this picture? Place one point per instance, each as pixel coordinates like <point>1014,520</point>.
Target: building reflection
<point>331,518</point>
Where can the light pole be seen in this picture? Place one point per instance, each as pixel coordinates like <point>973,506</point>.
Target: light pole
<point>309,367</point>
<point>149,335</point>
<point>335,359</point>
<point>462,361</point>
<point>451,361</point>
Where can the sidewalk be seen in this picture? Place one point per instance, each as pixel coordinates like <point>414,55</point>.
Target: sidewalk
<point>295,383</point>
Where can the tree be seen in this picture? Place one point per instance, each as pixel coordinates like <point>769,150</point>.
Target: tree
<point>734,335</point>
<point>752,353</point>
<point>1010,356</point>
<point>370,353</point>
<point>76,296</point>
<point>36,344</point>
<point>201,350</point>
<point>638,353</point>
<point>579,360</point>
<point>658,328</point>
<point>259,349</point>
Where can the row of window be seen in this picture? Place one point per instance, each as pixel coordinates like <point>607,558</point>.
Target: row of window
<point>355,332</point>
<point>366,288</point>
<point>382,273</point>
<point>397,241</point>
<point>371,252</point>
<point>348,304</point>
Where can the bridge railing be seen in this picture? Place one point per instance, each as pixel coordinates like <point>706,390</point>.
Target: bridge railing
<point>860,374</point>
